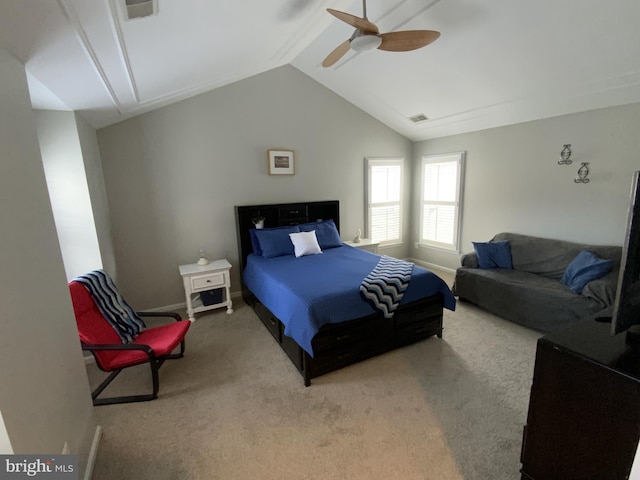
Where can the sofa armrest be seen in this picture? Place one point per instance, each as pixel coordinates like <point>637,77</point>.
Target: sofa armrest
<point>602,290</point>
<point>469,260</point>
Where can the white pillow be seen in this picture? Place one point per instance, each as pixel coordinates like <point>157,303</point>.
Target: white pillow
<point>305,243</point>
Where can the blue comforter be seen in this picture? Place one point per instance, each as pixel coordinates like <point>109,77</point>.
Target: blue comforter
<point>308,292</point>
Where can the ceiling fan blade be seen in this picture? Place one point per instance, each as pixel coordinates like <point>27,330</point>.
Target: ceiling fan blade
<point>407,40</point>
<point>357,22</point>
<point>337,54</point>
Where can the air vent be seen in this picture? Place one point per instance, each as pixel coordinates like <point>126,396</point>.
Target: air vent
<point>140,8</point>
<point>421,117</point>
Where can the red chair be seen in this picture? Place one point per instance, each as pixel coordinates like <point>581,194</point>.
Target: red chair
<point>153,345</point>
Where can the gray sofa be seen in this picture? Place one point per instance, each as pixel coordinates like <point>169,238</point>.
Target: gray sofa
<point>531,293</point>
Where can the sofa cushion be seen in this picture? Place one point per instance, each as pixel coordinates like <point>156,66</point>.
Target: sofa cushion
<point>493,254</point>
<point>549,257</point>
<point>535,301</point>
<point>583,269</point>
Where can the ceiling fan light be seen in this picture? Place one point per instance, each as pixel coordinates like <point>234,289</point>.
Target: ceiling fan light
<point>364,43</point>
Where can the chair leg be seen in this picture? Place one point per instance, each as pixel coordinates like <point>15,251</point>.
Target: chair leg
<point>154,365</point>
<point>104,384</point>
<point>177,355</point>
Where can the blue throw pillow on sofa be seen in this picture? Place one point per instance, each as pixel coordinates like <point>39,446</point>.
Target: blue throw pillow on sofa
<point>493,254</point>
<point>583,269</point>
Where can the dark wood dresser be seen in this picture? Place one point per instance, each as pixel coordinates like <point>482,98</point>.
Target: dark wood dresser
<point>584,411</point>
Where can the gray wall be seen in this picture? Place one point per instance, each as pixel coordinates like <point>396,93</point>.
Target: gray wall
<point>174,175</point>
<point>45,397</point>
<point>68,191</point>
<point>97,192</point>
<point>513,182</point>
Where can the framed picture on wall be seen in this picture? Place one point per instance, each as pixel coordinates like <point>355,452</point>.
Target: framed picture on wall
<point>281,162</point>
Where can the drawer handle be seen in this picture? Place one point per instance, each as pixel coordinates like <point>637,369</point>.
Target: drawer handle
<point>341,338</point>
<point>208,281</point>
<point>343,356</point>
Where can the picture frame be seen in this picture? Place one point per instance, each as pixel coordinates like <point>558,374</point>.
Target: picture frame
<point>281,162</point>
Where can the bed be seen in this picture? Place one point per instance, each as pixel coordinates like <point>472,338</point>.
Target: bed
<point>312,305</point>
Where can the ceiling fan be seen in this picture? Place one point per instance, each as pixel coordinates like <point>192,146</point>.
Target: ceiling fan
<point>367,37</point>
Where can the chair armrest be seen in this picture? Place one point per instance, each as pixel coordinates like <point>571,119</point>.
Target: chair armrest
<point>90,347</point>
<point>469,260</point>
<point>173,315</point>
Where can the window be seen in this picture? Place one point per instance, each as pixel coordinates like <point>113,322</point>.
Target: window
<point>441,200</point>
<point>384,200</point>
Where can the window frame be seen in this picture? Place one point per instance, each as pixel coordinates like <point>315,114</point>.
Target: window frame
<point>384,161</point>
<point>459,159</point>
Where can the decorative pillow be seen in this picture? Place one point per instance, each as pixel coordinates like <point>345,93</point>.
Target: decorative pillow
<point>305,243</point>
<point>275,242</point>
<point>326,233</point>
<point>255,243</point>
<point>583,269</point>
<point>493,254</point>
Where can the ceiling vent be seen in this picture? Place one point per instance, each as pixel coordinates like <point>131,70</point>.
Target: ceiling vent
<point>140,8</point>
<point>421,117</point>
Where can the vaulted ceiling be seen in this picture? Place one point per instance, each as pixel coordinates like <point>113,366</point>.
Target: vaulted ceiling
<point>497,62</point>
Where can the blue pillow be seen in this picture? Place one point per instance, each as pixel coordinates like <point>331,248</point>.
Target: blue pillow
<point>583,269</point>
<point>493,254</point>
<point>275,242</point>
<point>255,244</point>
<point>326,233</point>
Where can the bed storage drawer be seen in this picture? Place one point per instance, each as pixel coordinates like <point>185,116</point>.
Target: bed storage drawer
<point>404,318</point>
<point>338,358</point>
<point>418,322</point>
<point>418,331</point>
<point>271,322</point>
<point>336,336</point>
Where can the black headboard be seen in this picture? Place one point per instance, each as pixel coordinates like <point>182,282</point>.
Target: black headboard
<point>281,214</point>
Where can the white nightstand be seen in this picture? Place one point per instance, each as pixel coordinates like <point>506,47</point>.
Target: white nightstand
<point>200,278</point>
<point>365,244</point>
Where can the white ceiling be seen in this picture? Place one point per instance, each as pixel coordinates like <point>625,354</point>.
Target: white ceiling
<point>497,62</point>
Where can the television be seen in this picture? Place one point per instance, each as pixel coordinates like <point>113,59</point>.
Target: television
<point>626,306</point>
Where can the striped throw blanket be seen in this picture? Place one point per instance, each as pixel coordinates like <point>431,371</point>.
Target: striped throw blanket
<point>386,283</point>
<point>124,320</point>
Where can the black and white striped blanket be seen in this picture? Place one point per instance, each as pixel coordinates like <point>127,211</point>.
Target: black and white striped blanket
<point>386,283</point>
<point>124,320</point>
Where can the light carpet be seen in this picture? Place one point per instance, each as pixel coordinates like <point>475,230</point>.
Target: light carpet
<point>235,408</point>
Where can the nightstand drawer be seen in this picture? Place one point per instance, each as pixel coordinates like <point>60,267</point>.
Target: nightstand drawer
<point>207,282</point>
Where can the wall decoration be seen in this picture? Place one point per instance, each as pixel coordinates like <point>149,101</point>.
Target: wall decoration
<point>565,155</point>
<point>281,162</point>
<point>583,172</point>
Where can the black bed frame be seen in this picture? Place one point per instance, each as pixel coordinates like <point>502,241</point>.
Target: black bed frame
<point>336,345</point>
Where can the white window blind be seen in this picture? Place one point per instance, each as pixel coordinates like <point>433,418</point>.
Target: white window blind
<point>384,200</point>
<point>441,200</point>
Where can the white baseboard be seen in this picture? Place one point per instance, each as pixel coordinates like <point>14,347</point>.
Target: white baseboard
<point>431,265</point>
<point>167,308</point>
<point>91,461</point>
<point>176,306</point>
